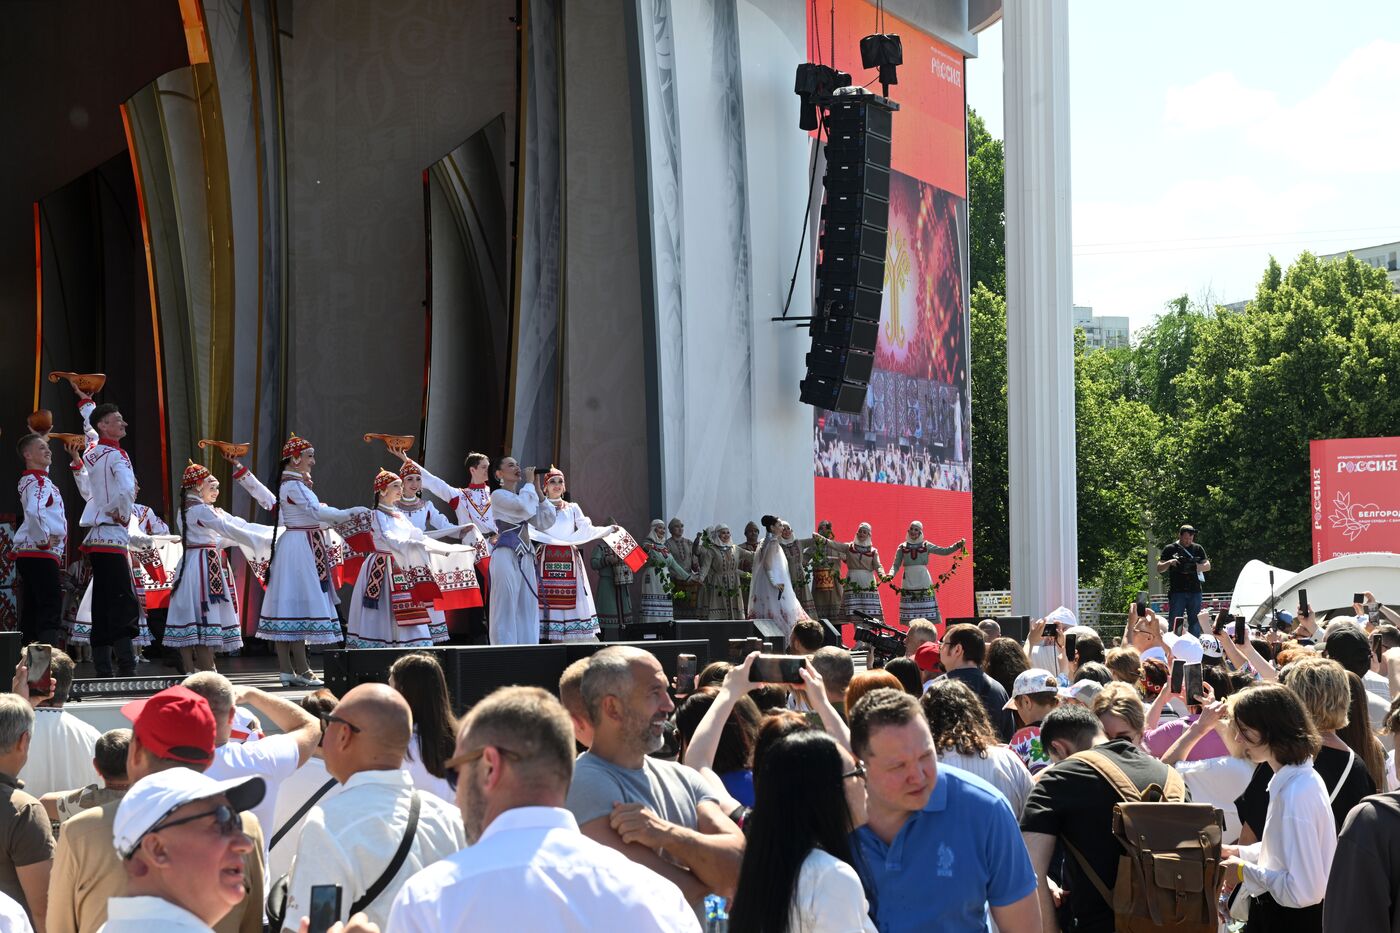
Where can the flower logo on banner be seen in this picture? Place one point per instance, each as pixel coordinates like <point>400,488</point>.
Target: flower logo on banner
<point>1344,516</point>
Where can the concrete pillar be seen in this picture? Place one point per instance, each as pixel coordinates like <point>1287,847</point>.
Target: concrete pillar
<point>1039,307</point>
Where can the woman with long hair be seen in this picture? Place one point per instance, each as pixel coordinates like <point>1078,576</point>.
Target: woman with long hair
<point>299,605</point>
<point>771,593</point>
<point>203,613</point>
<point>964,738</point>
<point>1006,659</point>
<point>798,873</point>
<point>1285,873</point>
<point>1359,738</point>
<point>418,677</point>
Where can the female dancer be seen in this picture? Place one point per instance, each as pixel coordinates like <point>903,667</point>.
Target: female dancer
<point>771,594</point>
<point>384,610</point>
<point>514,618</point>
<point>826,574</point>
<point>299,605</point>
<point>425,517</point>
<point>917,599</point>
<point>203,613</point>
<point>656,606</point>
<point>566,603</point>
<point>864,573</point>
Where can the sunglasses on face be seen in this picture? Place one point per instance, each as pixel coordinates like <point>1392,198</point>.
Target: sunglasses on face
<point>226,819</point>
<point>452,767</point>
<point>329,718</point>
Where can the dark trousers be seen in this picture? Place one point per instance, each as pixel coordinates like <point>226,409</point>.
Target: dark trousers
<point>41,615</point>
<point>115,613</point>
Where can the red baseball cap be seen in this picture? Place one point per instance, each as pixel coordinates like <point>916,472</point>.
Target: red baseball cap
<point>176,724</point>
<point>928,656</point>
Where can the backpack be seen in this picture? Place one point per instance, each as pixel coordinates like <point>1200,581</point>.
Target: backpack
<point>1170,871</point>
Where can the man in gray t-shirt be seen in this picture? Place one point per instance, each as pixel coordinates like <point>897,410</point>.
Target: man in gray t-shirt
<point>658,813</point>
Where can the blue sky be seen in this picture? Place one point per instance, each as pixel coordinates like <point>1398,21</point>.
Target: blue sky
<point>1207,136</point>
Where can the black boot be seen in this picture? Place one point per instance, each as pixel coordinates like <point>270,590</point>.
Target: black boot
<point>102,660</point>
<point>126,657</point>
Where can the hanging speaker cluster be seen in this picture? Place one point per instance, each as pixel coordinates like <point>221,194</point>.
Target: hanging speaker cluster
<point>850,252</point>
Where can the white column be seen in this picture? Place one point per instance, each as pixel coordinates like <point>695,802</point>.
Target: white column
<point>1039,311</point>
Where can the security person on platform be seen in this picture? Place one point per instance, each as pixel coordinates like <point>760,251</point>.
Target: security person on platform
<point>1186,563</point>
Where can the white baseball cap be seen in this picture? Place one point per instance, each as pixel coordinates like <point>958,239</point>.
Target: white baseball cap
<point>1082,690</point>
<point>1033,680</point>
<point>1210,646</point>
<point>1064,616</point>
<point>156,796</point>
<point>1185,647</point>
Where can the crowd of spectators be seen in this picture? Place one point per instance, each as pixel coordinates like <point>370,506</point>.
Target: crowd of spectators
<point>900,464</point>
<point>974,783</point>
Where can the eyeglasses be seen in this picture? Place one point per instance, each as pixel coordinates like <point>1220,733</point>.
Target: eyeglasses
<point>857,772</point>
<point>327,719</point>
<point>226,819</point>
<point>452,766</point>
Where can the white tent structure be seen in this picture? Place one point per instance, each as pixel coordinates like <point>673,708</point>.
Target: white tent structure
<point>1332,583</point>
<point>1252,587</point>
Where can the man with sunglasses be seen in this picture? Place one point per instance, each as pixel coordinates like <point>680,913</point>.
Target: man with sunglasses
<point>180,836</point>
<point>173,729</point>
<point>352,839</point>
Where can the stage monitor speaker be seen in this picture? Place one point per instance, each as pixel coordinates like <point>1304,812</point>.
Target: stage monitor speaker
<point>831,635</point>
<point>771,631</point>
<point>479,669</point>
<point>11,645</point>
<point>665,651</point>
<point>1017,628</point>
<point>717,632</point>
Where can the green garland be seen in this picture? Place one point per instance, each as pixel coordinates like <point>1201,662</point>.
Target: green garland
<point>943,578</point>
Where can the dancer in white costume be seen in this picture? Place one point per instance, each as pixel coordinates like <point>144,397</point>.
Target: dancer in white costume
<point>917,598</point>
<point>567,612</point>
<point>472,504</point>
<point>203,614</point>
<point>384,611</point>
<point>771,593</point>
<point>299,605</point>
<point>425,517</point>
<point>515,602</point>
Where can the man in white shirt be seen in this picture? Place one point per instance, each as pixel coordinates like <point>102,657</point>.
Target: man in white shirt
<point>61,750</point>
<point>274,758</point>
<point>180,836</point>
<point>529,867</point>
<point>352,839</point>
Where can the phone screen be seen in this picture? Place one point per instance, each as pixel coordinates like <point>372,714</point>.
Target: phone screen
<point>38,659</point>
<point>777,669</point>
<point>325,907</point>
<point>1179,625</point>
<point>1178,675</point>
<point>1193,683</point>
<point>1222,618</point>
<point>736,651</point>
<point>1358,598</point>
<point>1052,629</point>
<point>1070,639</point>
<point>1241,630</point>
<point>1142,604</point>
<point>1302,602</point>
<point>685,673</point>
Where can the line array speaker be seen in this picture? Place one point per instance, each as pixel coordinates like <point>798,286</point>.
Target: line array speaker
<point>851,252</point>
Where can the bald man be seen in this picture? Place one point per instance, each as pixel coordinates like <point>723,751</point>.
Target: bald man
<point>351,839</point>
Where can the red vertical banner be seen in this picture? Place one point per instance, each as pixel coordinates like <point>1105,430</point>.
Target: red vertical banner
<point>907,456</point>
<point>1355,492</point>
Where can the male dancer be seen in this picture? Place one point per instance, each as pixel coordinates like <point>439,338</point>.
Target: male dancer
<point>115,610</point>
<point>41,540</point>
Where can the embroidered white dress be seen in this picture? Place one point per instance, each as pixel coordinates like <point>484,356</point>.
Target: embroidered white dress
<point>917,599</point>
<point>204,606</point>
<point>300,601</point>
<point>371,620</point>
<point>142,523</point>
<point>771,594</point>
<point>514,617</point>
<point>426,517</point>
<point>567,610</point>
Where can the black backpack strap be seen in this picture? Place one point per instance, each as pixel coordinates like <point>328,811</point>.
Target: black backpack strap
<point>395,863</point>
<point>297,816</point>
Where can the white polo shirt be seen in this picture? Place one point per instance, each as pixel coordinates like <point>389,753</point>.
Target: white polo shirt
<point>533,870</point>
<point>145,914</point>
<point>60,753</point>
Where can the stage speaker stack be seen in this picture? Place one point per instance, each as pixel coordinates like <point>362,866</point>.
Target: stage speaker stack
<point>851,252</point>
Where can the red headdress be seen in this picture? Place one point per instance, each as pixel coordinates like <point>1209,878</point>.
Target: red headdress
<point>194,475</point>
<point>384,480</point>
<point>410,469</point>
<point>295,446</point>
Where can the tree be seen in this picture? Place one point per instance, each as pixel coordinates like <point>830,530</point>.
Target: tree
<point>986,205</point>
<point>990,516</point>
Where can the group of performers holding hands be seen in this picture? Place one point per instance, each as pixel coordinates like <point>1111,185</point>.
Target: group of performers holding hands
<point>518,542</point>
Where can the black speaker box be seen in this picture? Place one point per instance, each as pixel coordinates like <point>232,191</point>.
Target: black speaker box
<point>834,361</point>
<point>833,394</point>
<point>847,331</point>
<point>835,300</point>
<point>852,207</point>
<point>861,239</point>
<point>861,115</point>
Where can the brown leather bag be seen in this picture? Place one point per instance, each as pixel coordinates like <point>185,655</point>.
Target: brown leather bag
<point>1170,871</point>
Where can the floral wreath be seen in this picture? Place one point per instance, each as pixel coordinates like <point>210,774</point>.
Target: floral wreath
<point>943,578</point>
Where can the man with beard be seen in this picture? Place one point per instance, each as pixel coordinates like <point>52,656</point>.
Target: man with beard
<point>528,866</point>
<point>641,805</point>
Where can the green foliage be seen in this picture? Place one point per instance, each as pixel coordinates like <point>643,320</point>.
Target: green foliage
<point>986,205</point>
<point>990,529</point>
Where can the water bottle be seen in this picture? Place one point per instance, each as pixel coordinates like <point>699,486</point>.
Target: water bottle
<point>716,914</point>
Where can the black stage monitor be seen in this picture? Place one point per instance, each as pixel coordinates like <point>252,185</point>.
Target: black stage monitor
<point>665,651</point>
<point>717,631</point>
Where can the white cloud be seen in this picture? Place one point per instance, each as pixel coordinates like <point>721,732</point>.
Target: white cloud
<point>1215,102</point>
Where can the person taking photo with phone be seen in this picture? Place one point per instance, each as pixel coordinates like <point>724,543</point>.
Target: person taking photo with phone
<point>1185,563</point>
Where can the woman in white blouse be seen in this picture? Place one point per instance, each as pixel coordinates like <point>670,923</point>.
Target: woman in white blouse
<point>1285,874</point>
<point>797,875</point>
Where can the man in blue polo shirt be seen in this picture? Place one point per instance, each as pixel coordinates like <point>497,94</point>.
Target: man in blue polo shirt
<point>940,845</point>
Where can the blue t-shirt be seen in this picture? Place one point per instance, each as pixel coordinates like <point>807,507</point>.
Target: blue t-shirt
<point>739,784</point>
<point>959,854</point>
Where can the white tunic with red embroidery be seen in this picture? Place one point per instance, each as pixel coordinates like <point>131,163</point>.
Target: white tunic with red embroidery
<point>44,517</point>
<point>112,493</point>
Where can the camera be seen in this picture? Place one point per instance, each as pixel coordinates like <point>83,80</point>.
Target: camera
<point>886,643</point>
